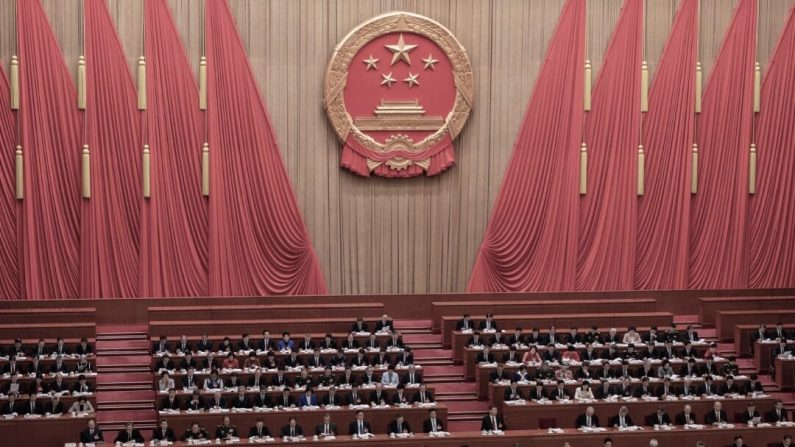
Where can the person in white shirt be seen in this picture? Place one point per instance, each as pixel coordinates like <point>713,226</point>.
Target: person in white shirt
<point>584,391</point>
<point>166,382</point>
<point>632,336</point>
<point>390,378</point>
<point>82,405</point>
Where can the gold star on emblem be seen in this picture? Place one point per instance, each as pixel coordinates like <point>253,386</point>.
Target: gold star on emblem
<point>430,62</point>
<point>371,63</point>
<point>412,80</point>
<point>400,51</point>
<point>388,80</point>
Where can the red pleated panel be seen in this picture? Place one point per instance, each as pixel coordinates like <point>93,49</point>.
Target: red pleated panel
<point>9,245</point>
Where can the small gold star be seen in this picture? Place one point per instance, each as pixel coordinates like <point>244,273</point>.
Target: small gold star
<point>430,62</point>
<point>371,63</point>
<point>388,80</point>
<point>412,80</point>
<point>400,51</point>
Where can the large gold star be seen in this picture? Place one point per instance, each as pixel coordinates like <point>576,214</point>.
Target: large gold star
<point>388,80</point>
<point>400,51</point>
<point>412,80</point>
<point>371,63</point>
<point>430,62</point>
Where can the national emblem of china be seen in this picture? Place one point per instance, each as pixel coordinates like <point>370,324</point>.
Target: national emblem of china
<point>398,91</point>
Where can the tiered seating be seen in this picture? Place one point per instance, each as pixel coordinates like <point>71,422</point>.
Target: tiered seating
<point>726,320</point>
<point>708,307</point>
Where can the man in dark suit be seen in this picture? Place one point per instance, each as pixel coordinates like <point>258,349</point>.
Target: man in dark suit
<point>465,324</point>
<point>333,399</point>
<point>285,400</point>
<point>161,346</point>
<point>359,427</point>
<point>398,426</point>
<point>686,417</point>
<point>423,395</point>
<point>499,374</point>
<point>262,400</point>
<point>485,356</point>
<point>716,416</point>
<point>432,424</point>
<point>359,325</point>
<point>550,354</point>
<point>587,419</point>
<point>513,392</point>
<point>708,387</point>
<point>241,401</point>
<point>92,434</point>
<point>777,414</point>
<point>384,324</point>
<point>10,406</point>
<point>226,430</point>
<point>622,419</point>
<point>786,442</point>
<point>129,434</point>
<point>55,406</point>
<point>412,377</point>
<point>170,402</point>
<point>195,433</point>
<point>780,333</point>
<point>604,390</point>
<point>492,421</point>
<point>326,428</point>
<point>292,430</point>
<point>488,324</point>
<point>217,402</point>
<point>779,350</point>
<point>164,432</point>
<point>31,407</point>
<point>751,415</point>
<point>659,417</point>
<point>83,348</point>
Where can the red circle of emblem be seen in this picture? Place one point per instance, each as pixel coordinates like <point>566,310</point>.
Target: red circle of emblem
<point>398,91</point>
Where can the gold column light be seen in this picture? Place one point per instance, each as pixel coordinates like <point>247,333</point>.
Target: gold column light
<point>752,170</point>
<point>203,83</point>
<point>14,83</point>
<point>583,169</point>
<point>81,83</point>
<point>146,173</point>
<point>19,165</point>
<point>641,170</point>
<point>206,170</point>
<point>644,87</point>
<point>141,83</point>
<point>698,87</point>
<point>757,87</point>
<point>694,170</point>
<point>86,169</point>
<point>587,92</point>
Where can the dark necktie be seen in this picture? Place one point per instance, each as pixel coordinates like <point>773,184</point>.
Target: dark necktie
<point>493,423</point>
<point>361,428</point>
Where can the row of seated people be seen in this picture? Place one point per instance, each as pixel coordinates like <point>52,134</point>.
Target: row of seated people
<point>281,378</point>
<point>626,388</point>
<point>226,431</point>
<point>763,333</point>
<point>270,360</point>
<point>57,384</point>
<point>36,365</point>
<point>36,405</point>
<point>285,343</point>
<point>284,398</point>
<point>43,349</point>
<point>589,351</point>
<point>687,416</point>
<point>574,336</point>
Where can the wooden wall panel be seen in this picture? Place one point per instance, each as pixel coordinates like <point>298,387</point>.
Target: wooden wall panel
<point>391,236</point>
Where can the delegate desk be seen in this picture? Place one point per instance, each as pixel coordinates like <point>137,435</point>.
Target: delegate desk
<point>483,371</point>
<point>563,322</point>
<point>708,307</point>
<point>518,307</point>
<point>762,353</point>
<point>726,320</point>
<point>41,432</point>
<point>378,418</point>
<point>175,328</point>
<point>785,372</point>
<point>48,315</point>
<point>527,415</point>
<point>471,354</point>
<point>742,337</point>
<point>542,438</point>
<point>369,311</point>
<point>35,331</point>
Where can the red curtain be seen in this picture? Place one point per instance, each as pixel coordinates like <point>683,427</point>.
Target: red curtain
<point>531,241</point>
<point>258,242</point>
<point>111,218</point>
<point>661,249</point>
<point>772,209</point>
<point>718,210</point>
<point>50,138</point>
<point>612,132</point>
<point>174,220</point>
<point>9,246</point>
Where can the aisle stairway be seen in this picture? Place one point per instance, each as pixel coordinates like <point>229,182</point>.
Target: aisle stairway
<point>125,389</point>
<point>447,379</point>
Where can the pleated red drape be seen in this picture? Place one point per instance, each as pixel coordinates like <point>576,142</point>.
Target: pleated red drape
<point>530,243</point>
<point>718,211</point>
<point>9,246</point>
<point>607,212</point>
<point>50,137</point>
<point>258,242</point>
<point>663,212</point>
<point>772,208</point>
<point>111,218</point>
<point>174,220</point>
